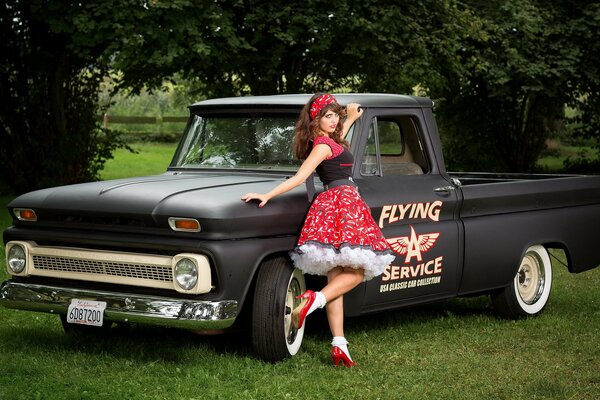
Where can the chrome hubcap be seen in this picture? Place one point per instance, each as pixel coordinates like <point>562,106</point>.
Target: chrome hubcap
<point>530,279</point>
<point>291,303</point>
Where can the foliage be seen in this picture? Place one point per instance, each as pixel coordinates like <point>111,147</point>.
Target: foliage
<point>398,47</point>
<point>524,66</point>
<point>501,72</point>
<point>170,100</point>
<point>163,38</point>
<point>582,164</point>
<point>226,48</point>
<point>248,47</point>
<point>51,68</point>
<point>585,28</point>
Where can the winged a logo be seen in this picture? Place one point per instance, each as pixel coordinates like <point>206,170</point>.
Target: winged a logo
<point>413,245</point>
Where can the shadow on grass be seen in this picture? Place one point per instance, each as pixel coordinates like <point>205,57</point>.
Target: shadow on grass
<point>144,343</point>
<point>451,313</point>
<point>469,306</point>
<point>134,342</point>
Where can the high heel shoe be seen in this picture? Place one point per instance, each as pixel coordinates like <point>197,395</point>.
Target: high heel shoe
<point>338,355</point>
<point>299,314</point>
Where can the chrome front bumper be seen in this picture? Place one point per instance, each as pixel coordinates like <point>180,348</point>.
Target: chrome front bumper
<point>123,307</point>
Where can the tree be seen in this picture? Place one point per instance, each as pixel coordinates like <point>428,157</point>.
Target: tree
<point>242,47</point>
<point>396,46</point>
<point>522,69</point>
<point>48,129</point>
<point>585,31</point>
<point>267,47</point>
<point>54,55</point>
<point>500,71</point>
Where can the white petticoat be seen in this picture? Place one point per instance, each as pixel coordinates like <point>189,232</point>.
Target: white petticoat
<point>316,259</point>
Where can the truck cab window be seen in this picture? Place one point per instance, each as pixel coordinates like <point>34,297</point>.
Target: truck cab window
<point>393,148</point>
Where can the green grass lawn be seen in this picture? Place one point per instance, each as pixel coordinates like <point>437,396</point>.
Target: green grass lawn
<point>150,159</point>
<point>554,163</point>
<point>453,350</point>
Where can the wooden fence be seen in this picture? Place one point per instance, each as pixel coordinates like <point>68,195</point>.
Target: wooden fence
<point>117,119</point>
<point>139,128</point>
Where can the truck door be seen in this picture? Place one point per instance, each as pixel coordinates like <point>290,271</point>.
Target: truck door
<point>415,207</point>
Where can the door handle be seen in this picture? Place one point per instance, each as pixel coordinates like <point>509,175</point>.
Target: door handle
<point>444,189</point>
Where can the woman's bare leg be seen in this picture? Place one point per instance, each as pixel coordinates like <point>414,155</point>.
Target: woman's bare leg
<point>340,280</point>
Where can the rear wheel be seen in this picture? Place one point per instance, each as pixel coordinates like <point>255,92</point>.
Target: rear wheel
<point>274,336</point>
<point>529,291</point>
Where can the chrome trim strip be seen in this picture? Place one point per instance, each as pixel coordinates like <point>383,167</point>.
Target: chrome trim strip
<point>123,307</point>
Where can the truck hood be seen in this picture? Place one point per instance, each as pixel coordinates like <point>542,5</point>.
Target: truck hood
<point>147,202</point>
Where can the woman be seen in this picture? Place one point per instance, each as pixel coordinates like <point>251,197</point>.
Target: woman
<point>339,238</point>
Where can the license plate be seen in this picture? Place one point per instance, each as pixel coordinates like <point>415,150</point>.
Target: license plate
<point>86,312</point>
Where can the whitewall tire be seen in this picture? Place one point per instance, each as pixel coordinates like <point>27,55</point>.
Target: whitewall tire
<point>528,293</point>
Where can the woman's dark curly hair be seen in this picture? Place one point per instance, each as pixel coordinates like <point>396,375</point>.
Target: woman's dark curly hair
<point>307,129</point>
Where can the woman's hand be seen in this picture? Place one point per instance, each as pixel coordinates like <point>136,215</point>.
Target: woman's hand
<point>316,156</point>
<point>353,111</point>
<point>256,196</point>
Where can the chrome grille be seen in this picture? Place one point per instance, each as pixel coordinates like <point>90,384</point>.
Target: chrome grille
<point>130,270</point>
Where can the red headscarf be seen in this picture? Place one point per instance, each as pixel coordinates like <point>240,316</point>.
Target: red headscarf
<point>320,102</point>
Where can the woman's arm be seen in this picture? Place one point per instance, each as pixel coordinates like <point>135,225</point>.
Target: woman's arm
<point>354,112</point>
<point>319,153</point>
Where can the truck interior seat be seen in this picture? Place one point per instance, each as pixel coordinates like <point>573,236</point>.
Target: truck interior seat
<point>401,168</point>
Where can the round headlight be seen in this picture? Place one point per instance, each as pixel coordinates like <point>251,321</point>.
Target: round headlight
<point>16,259</point>
<point>186,273</point>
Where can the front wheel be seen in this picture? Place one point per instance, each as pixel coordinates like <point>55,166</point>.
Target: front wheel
<point>528,294</point>
<point>274,336</point>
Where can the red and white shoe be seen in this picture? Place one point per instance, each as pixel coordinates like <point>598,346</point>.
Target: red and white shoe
<point>338,355</point>
<point>300,313</point>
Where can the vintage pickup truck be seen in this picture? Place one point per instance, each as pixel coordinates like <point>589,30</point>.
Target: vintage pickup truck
<point>181,249</point>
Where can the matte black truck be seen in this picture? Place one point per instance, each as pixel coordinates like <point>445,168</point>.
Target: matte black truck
<point>181,249</point>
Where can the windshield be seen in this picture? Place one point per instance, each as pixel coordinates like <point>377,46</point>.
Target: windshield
<point>238,142</point>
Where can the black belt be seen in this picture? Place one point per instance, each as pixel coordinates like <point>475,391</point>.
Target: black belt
<point>310,185</point>
<point>340,182</point>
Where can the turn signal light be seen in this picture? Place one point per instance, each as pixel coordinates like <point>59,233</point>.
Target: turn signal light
<point>25,214</point>
<point>184,224</point>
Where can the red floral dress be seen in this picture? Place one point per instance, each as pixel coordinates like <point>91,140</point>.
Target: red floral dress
<point>339,229</point>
